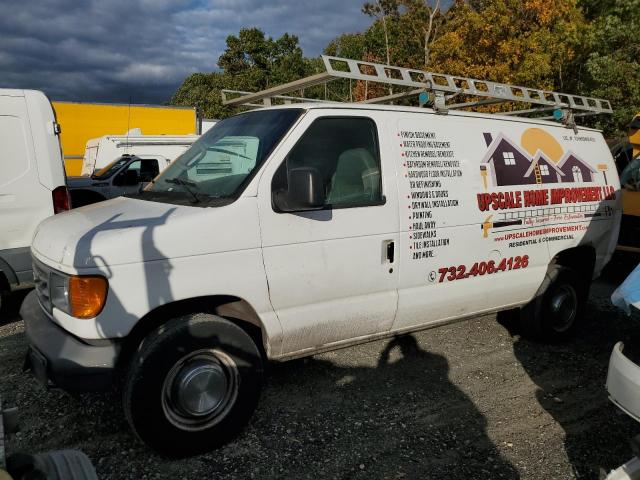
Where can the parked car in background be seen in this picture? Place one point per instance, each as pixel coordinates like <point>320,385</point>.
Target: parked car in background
<point>623,375</point>
<point>125,175</point>
<point>102,151</point>
<point>32,179</point>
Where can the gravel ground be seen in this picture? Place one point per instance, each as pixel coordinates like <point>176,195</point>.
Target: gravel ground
<point>466,401</point>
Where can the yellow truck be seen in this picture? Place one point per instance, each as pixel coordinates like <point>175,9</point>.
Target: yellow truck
<point>83,121</point>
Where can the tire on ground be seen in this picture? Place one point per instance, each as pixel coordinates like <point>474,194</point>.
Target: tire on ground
<point>4,291</point>
<point>193,385</point>
<point>58,465</point>
<point>556,311</point>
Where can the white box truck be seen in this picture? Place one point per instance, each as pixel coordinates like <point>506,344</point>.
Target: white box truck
<point>32,179</point>
<point>101,151</point>
<point>326,226</point>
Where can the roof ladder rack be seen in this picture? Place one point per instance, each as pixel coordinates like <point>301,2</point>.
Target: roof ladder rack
<point>439,87</point>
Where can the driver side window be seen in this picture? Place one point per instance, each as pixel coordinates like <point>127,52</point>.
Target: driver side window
<point>145,169</point>
<point>345,152</point>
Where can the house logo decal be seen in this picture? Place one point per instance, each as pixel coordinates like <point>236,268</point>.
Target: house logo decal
<point>540,160</point>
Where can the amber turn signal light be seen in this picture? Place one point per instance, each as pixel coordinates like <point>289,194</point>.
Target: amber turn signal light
<point>87,296</point>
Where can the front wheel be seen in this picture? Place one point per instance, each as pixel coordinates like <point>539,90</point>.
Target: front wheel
<point>558,307</point>
<point>193,385</point>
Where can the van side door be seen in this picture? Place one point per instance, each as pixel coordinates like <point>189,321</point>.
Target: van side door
<point>332,272</point>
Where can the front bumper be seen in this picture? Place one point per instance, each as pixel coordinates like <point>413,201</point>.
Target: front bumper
<point>62,360</point>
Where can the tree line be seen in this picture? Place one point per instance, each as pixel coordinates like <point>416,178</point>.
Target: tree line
<point>586,47</point>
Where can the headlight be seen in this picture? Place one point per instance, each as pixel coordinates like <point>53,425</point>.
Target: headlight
<point>79,296</point>
<point>59,291</point>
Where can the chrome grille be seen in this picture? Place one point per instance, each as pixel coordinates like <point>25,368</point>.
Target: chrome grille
<point>41,279</point>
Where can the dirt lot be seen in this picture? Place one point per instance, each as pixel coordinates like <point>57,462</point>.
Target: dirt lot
<point>471,400</point>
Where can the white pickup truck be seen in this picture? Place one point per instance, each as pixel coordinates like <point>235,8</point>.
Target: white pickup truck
<point>126,175</point>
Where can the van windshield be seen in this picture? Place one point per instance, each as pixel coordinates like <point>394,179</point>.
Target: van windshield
<point>223,160</point>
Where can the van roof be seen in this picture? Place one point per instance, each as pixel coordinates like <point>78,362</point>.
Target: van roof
<point>424,111</point>
<point>11,92</point>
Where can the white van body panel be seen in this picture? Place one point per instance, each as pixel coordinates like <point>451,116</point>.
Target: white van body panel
<point>156,253</point>
<point>101,151</point>
<point>31,167</point>
<point>476,206</point>
<point>45,140</point>
<point>328,274</point>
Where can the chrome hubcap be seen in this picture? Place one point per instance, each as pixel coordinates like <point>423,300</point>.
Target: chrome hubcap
<point>564,308</point>
<point>200,389</point>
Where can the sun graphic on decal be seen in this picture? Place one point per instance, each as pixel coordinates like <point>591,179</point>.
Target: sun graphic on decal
<point>534,139</point>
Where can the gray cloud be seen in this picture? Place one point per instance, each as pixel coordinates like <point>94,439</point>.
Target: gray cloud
<point>114,50</point>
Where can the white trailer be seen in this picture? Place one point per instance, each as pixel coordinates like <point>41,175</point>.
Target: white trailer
<point>101,151</point>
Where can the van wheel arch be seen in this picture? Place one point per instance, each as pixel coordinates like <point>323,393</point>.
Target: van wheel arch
<point>563,293</point>
<point>234,309</point>
<point>581,259</point>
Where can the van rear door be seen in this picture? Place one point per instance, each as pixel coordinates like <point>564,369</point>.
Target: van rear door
<point>24,201</point>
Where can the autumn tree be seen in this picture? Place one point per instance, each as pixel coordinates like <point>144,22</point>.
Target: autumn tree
<point>404,30</point>
<point>528,42</point>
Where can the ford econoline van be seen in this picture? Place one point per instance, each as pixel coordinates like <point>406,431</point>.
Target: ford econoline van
<point>32,179</point>
<point>338,224</point>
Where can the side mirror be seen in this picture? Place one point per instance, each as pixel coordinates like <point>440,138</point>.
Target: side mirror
<point>306,191</point>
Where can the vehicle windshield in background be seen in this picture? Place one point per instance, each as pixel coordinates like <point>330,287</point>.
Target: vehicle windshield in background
<point>110,169</point>
<point>220,163</point>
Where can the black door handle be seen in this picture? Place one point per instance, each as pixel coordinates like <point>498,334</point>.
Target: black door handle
<point>390,251</point>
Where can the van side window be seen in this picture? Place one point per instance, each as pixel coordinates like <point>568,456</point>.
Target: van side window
<point>147,169</point>
<point>345,151</point>
<point>15,161</point>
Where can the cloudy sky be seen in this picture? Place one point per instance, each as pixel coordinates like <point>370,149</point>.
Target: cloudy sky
<point>113,50</point>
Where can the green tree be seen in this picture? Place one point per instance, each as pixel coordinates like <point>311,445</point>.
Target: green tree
<point>251,61</point>
<point>612,66</point>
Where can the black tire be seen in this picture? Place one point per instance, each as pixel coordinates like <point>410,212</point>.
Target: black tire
<point>60,465</point>
<point>4,292</point>
<point>193,385</point>
<point>558,307</point>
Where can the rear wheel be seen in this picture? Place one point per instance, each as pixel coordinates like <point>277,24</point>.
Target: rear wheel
<point>558,307</point>
<point>193,385</point>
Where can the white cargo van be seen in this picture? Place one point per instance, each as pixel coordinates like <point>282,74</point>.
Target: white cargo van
<point>32,179</point>
<point>333,224</point>
<point>102,151</point>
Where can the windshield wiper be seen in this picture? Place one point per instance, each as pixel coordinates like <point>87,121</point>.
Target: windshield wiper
<point>228,152</point>
<point>185,184</point>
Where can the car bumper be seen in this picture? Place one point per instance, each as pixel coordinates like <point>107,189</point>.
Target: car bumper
<point>59,359</point>
<point>623,382</point>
